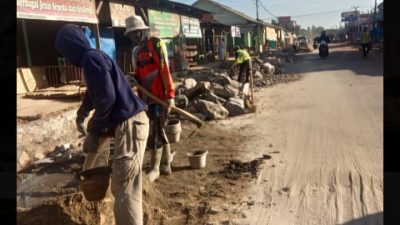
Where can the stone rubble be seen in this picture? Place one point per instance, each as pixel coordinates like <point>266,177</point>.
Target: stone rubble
<point>214,95</point>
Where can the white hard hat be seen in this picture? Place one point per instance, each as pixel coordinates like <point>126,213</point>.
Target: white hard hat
<point>133,23</point>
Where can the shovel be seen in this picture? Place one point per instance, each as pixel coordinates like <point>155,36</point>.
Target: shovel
<point>252,107</point>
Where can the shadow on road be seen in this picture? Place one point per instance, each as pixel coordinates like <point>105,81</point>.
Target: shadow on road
<point>374,219</point>
<point>341,57</point>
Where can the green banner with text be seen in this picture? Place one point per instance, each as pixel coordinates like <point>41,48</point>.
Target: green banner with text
<point>164,24</point>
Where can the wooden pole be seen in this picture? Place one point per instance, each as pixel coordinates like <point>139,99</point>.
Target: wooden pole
<point>146,20</point>
<point>96,26</point>
<point>28,53</point>
<point>192,118</point>
<point>97,35</point>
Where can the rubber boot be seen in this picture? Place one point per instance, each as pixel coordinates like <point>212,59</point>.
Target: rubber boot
<point>166,159</point>
<point>155,159</point>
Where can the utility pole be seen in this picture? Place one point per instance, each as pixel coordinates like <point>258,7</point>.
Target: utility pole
<point>257,9</point>
<point>355,9</point>
<point>374,15</point>
<point>258,29</point>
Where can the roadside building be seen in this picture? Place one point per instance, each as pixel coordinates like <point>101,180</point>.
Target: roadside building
<point>349,18</point>
<point>179,26</point>
<point>271,36</point>
<point>252,32</point>
<point>377,29</point>
<point>39,65</point>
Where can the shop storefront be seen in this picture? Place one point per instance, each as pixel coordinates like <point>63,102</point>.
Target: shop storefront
<point>191,38</point>
<point>271,37</point>
<point>166,26</point>
<point>112,22</point>
<point>37,25</point>
<point>234,39</point>
<point>182,35</point>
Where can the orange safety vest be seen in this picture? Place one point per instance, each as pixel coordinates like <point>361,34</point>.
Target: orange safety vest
<point>152,72</point>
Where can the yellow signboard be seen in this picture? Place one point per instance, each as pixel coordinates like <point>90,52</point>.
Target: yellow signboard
<point>271,33</point>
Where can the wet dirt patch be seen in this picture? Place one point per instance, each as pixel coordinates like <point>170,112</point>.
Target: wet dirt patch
<point>266,156</point>
<point>66,163</point>
<point>236,169</point>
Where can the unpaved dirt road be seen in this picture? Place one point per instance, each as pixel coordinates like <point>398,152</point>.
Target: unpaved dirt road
<point>325,136</point>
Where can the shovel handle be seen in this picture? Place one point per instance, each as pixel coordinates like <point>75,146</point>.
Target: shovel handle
<point>251,86</point>
<point>192,118</point>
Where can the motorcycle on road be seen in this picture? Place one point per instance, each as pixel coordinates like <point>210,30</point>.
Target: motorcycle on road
<point>365,48</point>
<point>323,49</point>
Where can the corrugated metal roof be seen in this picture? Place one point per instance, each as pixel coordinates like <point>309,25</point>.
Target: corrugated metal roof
<point>174,7</point>
<point>238,13</point>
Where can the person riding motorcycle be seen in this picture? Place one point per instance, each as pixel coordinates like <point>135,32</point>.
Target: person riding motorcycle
<point>323,37</point>
<point>365,41</point>
<point>323,41</point>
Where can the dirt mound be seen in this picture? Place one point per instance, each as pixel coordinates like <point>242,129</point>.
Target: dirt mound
<point>67,210</point>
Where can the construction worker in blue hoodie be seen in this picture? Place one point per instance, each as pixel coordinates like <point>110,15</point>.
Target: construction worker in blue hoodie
<point>118,113</point>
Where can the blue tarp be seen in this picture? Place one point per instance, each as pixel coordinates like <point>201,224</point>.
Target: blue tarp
<point>107,41</point>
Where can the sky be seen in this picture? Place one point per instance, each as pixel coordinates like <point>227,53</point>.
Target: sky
<point>325,13</point>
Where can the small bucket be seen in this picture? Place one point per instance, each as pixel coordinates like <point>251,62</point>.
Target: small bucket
<point>197,159</point>
<point>173,130</point>
<point>94,182</point>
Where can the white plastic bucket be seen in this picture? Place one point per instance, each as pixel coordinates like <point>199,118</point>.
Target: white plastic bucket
<point>197,159</point>
<point>173,130</point>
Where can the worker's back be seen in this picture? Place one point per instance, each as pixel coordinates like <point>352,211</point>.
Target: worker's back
<point>365,37</point>
<point>242,55</point>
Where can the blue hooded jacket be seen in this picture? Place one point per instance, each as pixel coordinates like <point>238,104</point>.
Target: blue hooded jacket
<point>108,91</point>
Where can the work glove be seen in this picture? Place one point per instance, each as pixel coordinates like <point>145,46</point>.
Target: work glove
<point>132,81</point>
<point>170,102</point>
<point>91,143</point>
<point>105,132</point>
<point>80,126</point>
<point>166,111</point>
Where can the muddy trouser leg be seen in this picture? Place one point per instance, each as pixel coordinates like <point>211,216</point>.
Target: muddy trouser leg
<point>156,140</point>
<point>100,158</point>
<point>126,179</point>
<point>166,156</point>
<point>243,90</point>
<point>244,79</point>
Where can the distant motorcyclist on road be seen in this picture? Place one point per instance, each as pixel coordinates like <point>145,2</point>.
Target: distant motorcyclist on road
<point>323,41</point>
<point>323,37</point>
<point>365,41</point>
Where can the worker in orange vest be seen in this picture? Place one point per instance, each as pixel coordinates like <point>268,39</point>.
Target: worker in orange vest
<point>150,62</point>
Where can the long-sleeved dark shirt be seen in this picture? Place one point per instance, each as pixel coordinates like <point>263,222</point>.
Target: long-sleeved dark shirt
<point>108,91</point>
